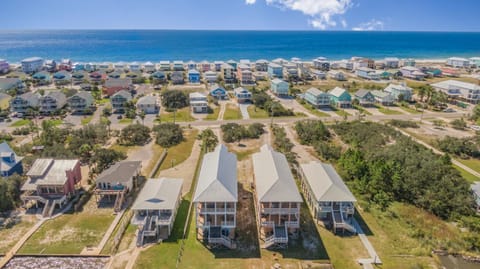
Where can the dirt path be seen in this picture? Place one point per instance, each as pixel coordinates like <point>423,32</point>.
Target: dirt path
<point>223,106</point>
<point>303,155</point>
<point>186,169</point>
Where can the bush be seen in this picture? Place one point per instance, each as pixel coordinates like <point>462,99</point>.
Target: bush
<point>135,134</point>
<point>233,132</point>
<point>174,99</point>
<point>168,134</point>
<point>10,192</point>
<point>404,124</point>
<point>255,130</point>
<point>282,144</point>
<point>328,151</point>
<point>311,131</point>
<point>461,147</point>
<point>458,124</point>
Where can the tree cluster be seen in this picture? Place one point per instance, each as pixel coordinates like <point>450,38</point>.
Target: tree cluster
<point>461,147</point>
<point>403,123</point>
<point>209,140</point>
<point>234,132</point>
<point>168,134</point>
<point>315,133</point>
<point>386,166</point>
<point>9,192</point>
<point>262,100</point>
<point>174,99</point>
<point>283,144</point>
<point>135,134</point>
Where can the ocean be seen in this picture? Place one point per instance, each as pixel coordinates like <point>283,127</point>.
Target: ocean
<point>156,45</point>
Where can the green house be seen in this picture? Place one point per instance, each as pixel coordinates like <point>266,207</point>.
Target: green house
<point>339,97</point>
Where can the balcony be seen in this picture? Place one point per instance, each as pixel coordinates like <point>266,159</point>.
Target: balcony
<point>280,211</point>
<point>204,210</point>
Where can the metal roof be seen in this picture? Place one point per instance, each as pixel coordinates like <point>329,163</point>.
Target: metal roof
<point>48,172</point>
<point>326,184</point>
<point>120,172</point>
<point>159,193</point>
<point>217,181</point>
<point>273,179</point>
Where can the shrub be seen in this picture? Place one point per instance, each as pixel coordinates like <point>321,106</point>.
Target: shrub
<point>135,134</point>
<point>403,124</point>
<point>168,134</point>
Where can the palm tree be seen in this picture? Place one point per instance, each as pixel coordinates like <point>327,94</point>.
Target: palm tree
<point>421,92</point>
<point>142,116</point>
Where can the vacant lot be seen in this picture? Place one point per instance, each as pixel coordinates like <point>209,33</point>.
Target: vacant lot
<point>10,236</point>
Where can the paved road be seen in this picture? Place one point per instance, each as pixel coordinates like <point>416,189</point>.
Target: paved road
<point>244,111</point>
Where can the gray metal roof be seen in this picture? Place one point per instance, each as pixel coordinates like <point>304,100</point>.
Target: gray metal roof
<point>120,172</point>
<point>315,92</point>
<point>273,179</point>
<point>48,172</point>
<point>361,93</point>
<point>326,184</point>
<point>148,100</point>
<point>217,181</point>
<point>6,151</point>
<point>159,193</point>
<point>337,91</point>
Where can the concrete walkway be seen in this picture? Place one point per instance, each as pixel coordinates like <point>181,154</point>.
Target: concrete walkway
<point>244,111</point>
<point>223,106</point>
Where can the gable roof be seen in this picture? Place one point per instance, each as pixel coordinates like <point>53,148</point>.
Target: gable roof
<point>84,95</point>
<point>277,81</point>
<point>159,193</point>
<point>148,100</point>
<point>240,90</point>
<point>337,91</point>
<point>197,95</point>
<point>362,93</point>
<point>118,82</point>
<point>315,92</point>
<point>273,179</point>
<point>326,184</point>
<point>7,151</point>
<point>398,87</point>
<point>124,94</point>
<point>120,172</point>
<point>217,181</point>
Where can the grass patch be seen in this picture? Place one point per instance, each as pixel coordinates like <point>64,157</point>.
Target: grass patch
<point>127,238</point>
<point>56,122</point>
<point>70,233</point>
<point>20,123</point>
<point>125,120</point>
<point>362,109</point>
<point>342,113</point>
<point>314,110</point>
<point>466,175</point>
<point>102,101</point>
<point>180,152</point>
<point>257,113</point>
<point>182,115</point>
<point>473,164</point>
<point>388,111</point>
<point>214,114</point>
<point>410,110</point>
<point>232,112</point>
<point>11,235</point>
<point>4,103</point>
<point>86,120</point>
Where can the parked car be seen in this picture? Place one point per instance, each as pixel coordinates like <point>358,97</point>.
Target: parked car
<point>449,110</point>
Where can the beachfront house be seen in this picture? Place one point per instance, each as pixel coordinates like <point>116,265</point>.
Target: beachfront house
<point>81,103</point>
<point>321,63</point>
<point>476,194</point>
<point>155,208</point>
<point>119,101</point>
<point>391,62</point>
<point>218,92</point>
<point>22,103</point>
<point>409,62</point>
<point>42,78</point>
<point>79,77</point>
<point>149,67</point>
<point>114,85</point>
<point>210,77</point>
<point>412,73</point>
<point>458,62</point>
<point>193,76</point>
<point>115,74</point>
<point>367,73</point>
<point>459,90</point>
<point>327,196</point>
<point>290,71</point>
<point>32,65</point>
<point>191,65</point>
<point>198,102</point>
<point>158,77</point>
<point>65,64</point>
<point>4,66</point>
<point>149,104</point>
<point>178,66</point>
<point>97,76</point>
<point>383,98</point>
<point>217,66</point>
<point>317,98</point>
<point>339,97</point>
<point>177,78</point>
<point>243,95</point>
<point>400,92</point>
<point>279,87</point>
<point>364,97</point>
<point>261,65</point>
<point>205,66</point>
<point>233,64</point>
<point>215,198</point>
<point>245,77</point>
<point>275,70</point>
<point>134,67</point>
<point>51,182</point>
<point>116,181</point>
<point>10,162</point>
<point>62,77</point>
<point>228,73</point>
<point>164,66</point>
<point>336,75</point>
<point>277,200</point>
<point>52,102</point>
<point>475,61</point>
<point>50,66</point>
<point>11,84</point>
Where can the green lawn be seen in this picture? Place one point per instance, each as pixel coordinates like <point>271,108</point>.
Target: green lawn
<point>232,112</point>
<point>56,122</point>
<point>125,120</point>
<point>342,113</point>
<point>10,236</point>
<point>70,233</point>
<point>21,123</point>
<point>362,109</point>
<point>473,164</point>
<point>466,175</point>
<point>86,120</point>
<point>179,153</point>
<point>182,115</point>
<point>314,110</point>
<point>102,101</point>
<point>257,113</point>
<point>388,111</point>
<point>214,114</point>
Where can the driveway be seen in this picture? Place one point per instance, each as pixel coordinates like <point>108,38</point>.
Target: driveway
<point>291,103</point>
<point>244,111</point>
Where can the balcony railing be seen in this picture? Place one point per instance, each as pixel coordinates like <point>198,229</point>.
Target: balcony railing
<point>228,223</point>
<point>217,210</point>
<point>280,210</point>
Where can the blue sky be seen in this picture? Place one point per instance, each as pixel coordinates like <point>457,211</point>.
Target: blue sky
<point>388,15</point>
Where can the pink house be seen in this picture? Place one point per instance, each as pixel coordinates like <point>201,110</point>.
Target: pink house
<point>51,182</point>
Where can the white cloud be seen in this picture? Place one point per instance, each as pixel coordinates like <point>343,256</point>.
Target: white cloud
<point>250,2</point>
<point>321,12</point>
<point>344,23</point>
<point>372,25</point>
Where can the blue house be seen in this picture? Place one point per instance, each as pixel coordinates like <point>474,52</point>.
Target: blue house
<point>10,163</point>
<point>193,76</point>
<point>339,97</point>
<point>275,70</point>
<point>218,92</point>
<point>279,87</point>
<point>317,98</point>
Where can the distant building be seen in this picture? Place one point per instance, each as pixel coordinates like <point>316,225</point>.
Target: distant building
<point>4,66</point>
<point>114,85</point>
<point>10,162</point>
<point>321,64</point>
<point>391,62</point>
<point>367,73</point>
<point>193,76</point>
<point>164,66</point>
<point>459,90</point>
<point>119,100</point>
<point>398,91</point>
<point>336,75</point>
<point>244,75</point>
<point>198,102</point>
<point>275,70</point>
<point>412,72</point>
<point>228,73</point>
<point>261,65</point>
<point>458,62</point>
<point>149,67</point>
<point>383,98</point>
<point>279,87</point>
<point>210,77</point>
<point>149,104</point>
<point>178,66</point>
<point>42,78</point>
<point>62,77</point>
<point>177,77</point>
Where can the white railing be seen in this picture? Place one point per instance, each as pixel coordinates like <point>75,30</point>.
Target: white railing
<point>217,210</point>
<point>268,223</point>
<point>280,210</point>
<point>292,224</point>
<point>228,223</point>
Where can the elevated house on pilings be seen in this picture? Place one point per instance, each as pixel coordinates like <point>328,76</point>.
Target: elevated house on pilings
<point>327,196</point>
<point>277,200</point>
<point>114,183</point>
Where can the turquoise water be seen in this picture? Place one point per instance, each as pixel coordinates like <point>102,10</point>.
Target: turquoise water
<point>155,45</point>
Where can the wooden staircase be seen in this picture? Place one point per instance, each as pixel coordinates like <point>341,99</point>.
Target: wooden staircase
<point>119,201</point>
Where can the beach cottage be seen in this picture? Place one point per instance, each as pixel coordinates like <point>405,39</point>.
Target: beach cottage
<point>339,97</point>
<point>22,103</point>
<point>228,73</point>
<point>42,78</point>
<point>193,76</point>
<point>277,200</point>
<point>400,92</point>
<point>11,84</point>
<point>32,65</point>
<point>279,87</point>
<point>218,92</point>
<point>275,70</point>
<point>10,162</point>
<point>460,90</point>
<point>458,62</point>
<point>198,102</point>
<point>119,101</point>
<point>155,208</point>
<point>215,198</point>
<point>364,97</point>
<point>317,98</point>
<point>327,196</point>
<point>383,98</point>
<point>81,103</point>
<point>52,101</point>
<point>243,95</point>
<point>336,75</point>
<point>4,66</point>
<point>114,85</point>
<point>210,77</point>
<point>149,104</point>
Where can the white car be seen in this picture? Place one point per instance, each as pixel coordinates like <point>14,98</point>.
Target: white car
<point>475,127</point>
<point>449,110</point>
